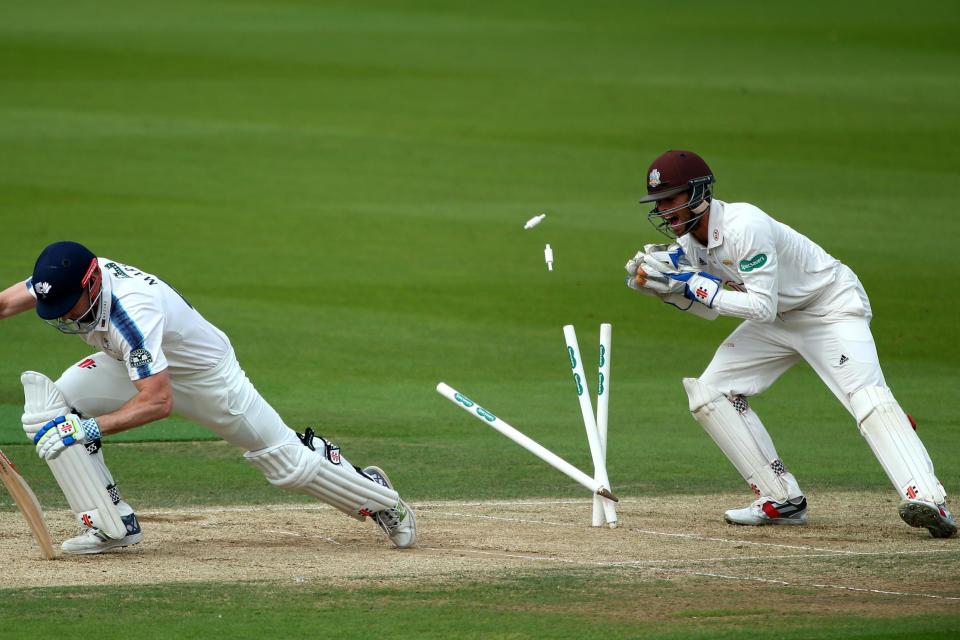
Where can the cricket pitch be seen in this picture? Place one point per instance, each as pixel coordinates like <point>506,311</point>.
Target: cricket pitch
<point>855,553</point>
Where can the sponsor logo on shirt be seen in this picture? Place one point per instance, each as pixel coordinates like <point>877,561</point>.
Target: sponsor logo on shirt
<point>140,358</point>
<point>753,263</point>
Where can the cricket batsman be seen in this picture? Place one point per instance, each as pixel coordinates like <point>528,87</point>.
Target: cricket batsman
<point>797,302</point>
<point>155,354</point>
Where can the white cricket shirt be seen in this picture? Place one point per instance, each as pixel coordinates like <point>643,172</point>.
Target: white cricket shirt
<point>150,327</point>
<point>767,267</point>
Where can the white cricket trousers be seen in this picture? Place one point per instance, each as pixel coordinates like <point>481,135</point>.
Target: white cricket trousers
<point>832,335</point>
<point>221,398</point>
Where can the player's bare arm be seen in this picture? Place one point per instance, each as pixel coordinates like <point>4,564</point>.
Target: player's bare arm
<point>16,299</point>
<point>154,401</point>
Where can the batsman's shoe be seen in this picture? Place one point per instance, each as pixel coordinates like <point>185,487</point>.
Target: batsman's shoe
<point>769,511</point>
<point>95,541</point>
<point>934,517</point>
<point>398,523</point>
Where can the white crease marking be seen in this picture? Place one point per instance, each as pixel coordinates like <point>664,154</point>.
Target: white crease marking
<point>689,536</point>
<point>294,534</point>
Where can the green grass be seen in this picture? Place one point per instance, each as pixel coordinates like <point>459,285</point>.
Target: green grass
<point>557,606</point>
<point>341,187</point>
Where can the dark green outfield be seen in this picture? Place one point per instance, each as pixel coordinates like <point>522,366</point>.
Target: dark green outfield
<point>558,606</point>
<point>341,187</point>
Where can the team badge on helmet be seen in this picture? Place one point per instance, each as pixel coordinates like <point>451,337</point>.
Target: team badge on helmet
<point>42,288</point>
<point>654,179</point>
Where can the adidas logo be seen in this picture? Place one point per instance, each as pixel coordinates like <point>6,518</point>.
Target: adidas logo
<point>843,359</point>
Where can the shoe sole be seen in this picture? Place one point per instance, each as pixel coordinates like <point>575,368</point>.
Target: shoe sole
<point>377,469</point>
<point>760,523</point>
<point>135,538</point>
<point>926,517</point>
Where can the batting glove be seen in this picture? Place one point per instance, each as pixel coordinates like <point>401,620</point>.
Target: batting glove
<point>63,431</point>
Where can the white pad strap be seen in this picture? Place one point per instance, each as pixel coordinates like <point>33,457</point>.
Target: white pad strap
<point>743,438</point>
<point>296,467</point>
<point>895,444</point>
<point>81,482</point>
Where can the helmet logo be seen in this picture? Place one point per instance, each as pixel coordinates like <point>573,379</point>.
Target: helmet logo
<point>654,179</point>
<point>42,288</point>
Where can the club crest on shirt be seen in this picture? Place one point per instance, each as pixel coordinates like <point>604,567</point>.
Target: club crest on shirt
<point>140,358</point>
<point>654,179</point>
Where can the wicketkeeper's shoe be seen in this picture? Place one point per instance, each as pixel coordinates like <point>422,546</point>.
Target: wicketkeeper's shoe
<point>769,511</point>
<point>95,541</point>
<point>398,523</point>
<point>934,517</point>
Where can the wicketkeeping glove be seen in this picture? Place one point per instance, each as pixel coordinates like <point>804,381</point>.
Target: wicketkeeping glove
<point>666,258</point>
<point>700,287</point>
<point>658,282</point>
<point>633,264</point>
<point>63,431</point>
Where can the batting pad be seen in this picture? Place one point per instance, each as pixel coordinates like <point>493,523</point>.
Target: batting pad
<point>74,471</point>
<point>298,468</point>
<point>744,440</point>
<point>896,445</point>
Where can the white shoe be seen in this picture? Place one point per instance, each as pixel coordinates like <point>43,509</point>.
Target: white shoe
<point>769,511</point>
<point>95,541</point>
<point>398,523</point>
<point>934,517</point>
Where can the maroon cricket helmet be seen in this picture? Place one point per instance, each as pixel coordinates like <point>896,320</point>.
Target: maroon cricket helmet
<point>674,172</point>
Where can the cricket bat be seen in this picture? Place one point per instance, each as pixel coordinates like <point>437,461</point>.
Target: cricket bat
<point>29,505</point>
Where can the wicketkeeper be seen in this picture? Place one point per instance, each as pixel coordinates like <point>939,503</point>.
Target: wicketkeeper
<point>155,354</point>
<point>797,302</point>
